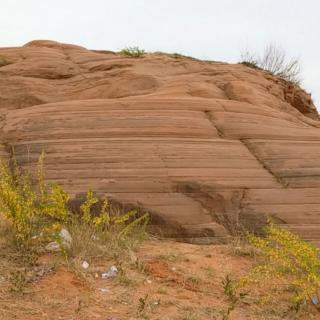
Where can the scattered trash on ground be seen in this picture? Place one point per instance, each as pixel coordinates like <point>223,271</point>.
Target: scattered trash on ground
<point>113,271</point>
<point>85,264</point>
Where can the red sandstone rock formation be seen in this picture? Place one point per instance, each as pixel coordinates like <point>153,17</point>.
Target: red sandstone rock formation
<point>203,146</point>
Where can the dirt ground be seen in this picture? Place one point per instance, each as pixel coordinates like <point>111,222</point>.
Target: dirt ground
<point>164,280</point>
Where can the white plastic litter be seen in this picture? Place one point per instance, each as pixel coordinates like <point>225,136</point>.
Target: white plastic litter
<point>112,272</point>
<point>85,265</point>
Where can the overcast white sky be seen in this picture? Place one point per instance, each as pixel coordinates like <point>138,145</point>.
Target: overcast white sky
<point>209,29</point>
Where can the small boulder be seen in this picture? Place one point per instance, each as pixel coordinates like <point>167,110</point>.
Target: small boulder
<point>66,242</point>
<point>66,238</point>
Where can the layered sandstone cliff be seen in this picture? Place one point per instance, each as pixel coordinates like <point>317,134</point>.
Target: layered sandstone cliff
<point>203,146</point>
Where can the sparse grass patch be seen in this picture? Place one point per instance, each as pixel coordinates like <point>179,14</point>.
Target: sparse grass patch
<point>172,256</point>
<point>162,290</point>
<point>240,246</point>
<point>18,267</point>
<point>214,312</point>
<point>139,266</point>
<point>181,56</point>
<point>229,287</point>
<point>251,64</point>
<point>212,61</point>
<point>189,313</point>
<point>134,52</point>
<point>177,56</point>
<point>194,279</point>
<point>4,61</point>
<point>209,271</point>
<point>146,305</point>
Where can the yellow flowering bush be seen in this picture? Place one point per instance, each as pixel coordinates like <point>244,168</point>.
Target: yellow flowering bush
<point>289,264</point>
<point>121,224</point>
<point>37,210</point>
<point>34,210</point>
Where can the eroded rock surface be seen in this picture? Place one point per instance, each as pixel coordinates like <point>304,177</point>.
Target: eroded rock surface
<point>203,146</point>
